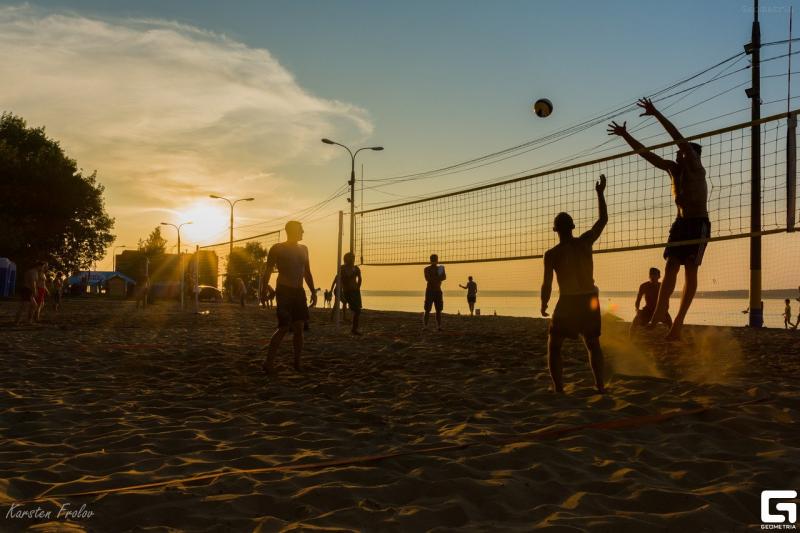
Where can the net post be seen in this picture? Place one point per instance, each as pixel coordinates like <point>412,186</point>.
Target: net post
<point>338,297</point>
<point>196,280</point>
<point>791,172</point>
<point>147,276</point>
<point>756,312</point>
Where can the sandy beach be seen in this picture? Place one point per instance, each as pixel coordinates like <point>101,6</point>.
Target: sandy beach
<point>466,433</point>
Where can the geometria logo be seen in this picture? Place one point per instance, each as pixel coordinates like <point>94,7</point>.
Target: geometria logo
<point>776,512</point>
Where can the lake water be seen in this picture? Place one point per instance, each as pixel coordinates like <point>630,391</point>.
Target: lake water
<point>705,311</point>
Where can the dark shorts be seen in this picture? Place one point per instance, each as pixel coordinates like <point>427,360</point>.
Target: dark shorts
<point>25,293</point>
<point>688,229</point>
<point>471,299</point>
<point>353,299</point>
<point>644,315</point>
<point>290,305</point>
<point>576,314</point>
<point>434,299</point>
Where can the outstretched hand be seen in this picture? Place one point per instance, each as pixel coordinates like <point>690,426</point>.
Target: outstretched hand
<point>648,108</point>
<point>616,129</point>
<point>600,186</point>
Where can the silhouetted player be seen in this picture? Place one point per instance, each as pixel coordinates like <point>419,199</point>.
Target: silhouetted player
<point>691,193</point>
<point>578,309</point>
<point>648,290</point>
<point>472,294</point>
<point>350,278</point>
<point>434,275</point>
<point>292,261</point>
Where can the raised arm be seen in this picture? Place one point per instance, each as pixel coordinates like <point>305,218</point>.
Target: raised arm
<point>547,283</point>
<point>622,131</point>
<point>602,220</point>
<point>649,109</point>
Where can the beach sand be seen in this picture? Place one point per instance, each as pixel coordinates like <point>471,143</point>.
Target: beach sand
<point>104,397</point>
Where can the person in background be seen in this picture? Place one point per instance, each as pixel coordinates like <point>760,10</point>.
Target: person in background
<point>787,314</point>
<point>41,290</point>
<point>28,292</point>
<point>472,294</point>
<point>58,290</point>
<point>434,276</point>
<point>350,279</point>
<point>648,290</point>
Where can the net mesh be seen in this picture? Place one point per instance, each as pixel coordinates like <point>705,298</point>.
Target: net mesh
<point>246,260</point>
<point>514,219</point>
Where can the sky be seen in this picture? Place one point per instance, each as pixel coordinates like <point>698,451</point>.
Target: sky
<point>171,101</point>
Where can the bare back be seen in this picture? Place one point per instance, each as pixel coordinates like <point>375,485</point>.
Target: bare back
<point>573,264</point>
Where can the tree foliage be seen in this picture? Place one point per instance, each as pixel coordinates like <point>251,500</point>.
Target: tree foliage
<point>49,209</point>
<point>246,262</point>
<point>155,244</point>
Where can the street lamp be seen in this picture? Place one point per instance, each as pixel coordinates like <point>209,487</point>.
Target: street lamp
<point>114,256</point>
<point>232,203</point>
<point>352,183</point>
<point>180,257</point>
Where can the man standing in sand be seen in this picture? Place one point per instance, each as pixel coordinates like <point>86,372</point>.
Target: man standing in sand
<point>41,290</point>
<point>578,309</point>
<point>30,282</point>
<point>648,290</point>
<point>350,278</point>
<point>472,294</point>
<point>434,276</point>
<point>690,190</point>
<point>291,259</point>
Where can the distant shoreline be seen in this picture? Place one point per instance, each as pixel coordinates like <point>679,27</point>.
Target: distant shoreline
<point>732,294</point>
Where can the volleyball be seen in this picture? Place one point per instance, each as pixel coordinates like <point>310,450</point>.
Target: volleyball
<point>543,107</point>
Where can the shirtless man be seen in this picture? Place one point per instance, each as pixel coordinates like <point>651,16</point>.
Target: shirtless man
<point>578,309</point>
<point>30,286</point>
<point>292,261</point>
<point>472,294</point>
<point>648,290</point>
<point>434,276</point>
<point>690,190</point>
<point>41,291</point>
<point>350,276</point>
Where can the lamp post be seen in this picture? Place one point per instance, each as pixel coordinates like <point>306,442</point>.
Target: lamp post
<point>114,256</point>
<point>352,183</point>
<point>231,203</point>
<point>180,257</point>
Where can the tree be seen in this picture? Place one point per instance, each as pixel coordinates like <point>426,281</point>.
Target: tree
<point>49,210</point>
<point>245,262</point>
<point>155,244</point>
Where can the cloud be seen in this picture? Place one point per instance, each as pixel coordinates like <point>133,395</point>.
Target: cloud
<point>163,111</point>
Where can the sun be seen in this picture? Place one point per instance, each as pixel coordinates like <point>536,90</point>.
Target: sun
<point>210,222</point>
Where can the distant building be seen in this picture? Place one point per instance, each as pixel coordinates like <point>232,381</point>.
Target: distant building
<point>8,277</point>
<point>97,282</point>
<point>164,269</point>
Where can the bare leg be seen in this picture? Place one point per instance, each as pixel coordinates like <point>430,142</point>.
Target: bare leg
<point>471,308</point>
<point>425,317</point>
<point>274,343</point>
<point>356,317</point>
<point>297,342</point>
<point>439,319</point>
<point>596,361</point>
<point>554,362</point>
<point>667,288</point>
<point>689,290</point>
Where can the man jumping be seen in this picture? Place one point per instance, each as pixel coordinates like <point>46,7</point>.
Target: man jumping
<point>578,309</point>
<point>292,261</point>
<point>690,190</point>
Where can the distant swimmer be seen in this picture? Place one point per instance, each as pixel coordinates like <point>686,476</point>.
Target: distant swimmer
<point>578,309</point>
<point>472,294</point>
<point>648,290</point>
<point>291,259</point>
<point>27,301</point>
<point>690,190</point>
<point>434,276</point>
<point>350,278</point>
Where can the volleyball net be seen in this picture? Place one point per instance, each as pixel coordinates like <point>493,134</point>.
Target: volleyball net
<point>513,219</point>
<point>243,258</point>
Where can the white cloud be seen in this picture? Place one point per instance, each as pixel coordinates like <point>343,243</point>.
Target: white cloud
<point>163,111</point>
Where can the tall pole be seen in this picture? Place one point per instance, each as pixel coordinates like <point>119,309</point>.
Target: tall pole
<point>338,297</point>
<point>352,202</point>
<point>180,265</point>
<point>756,313</point>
